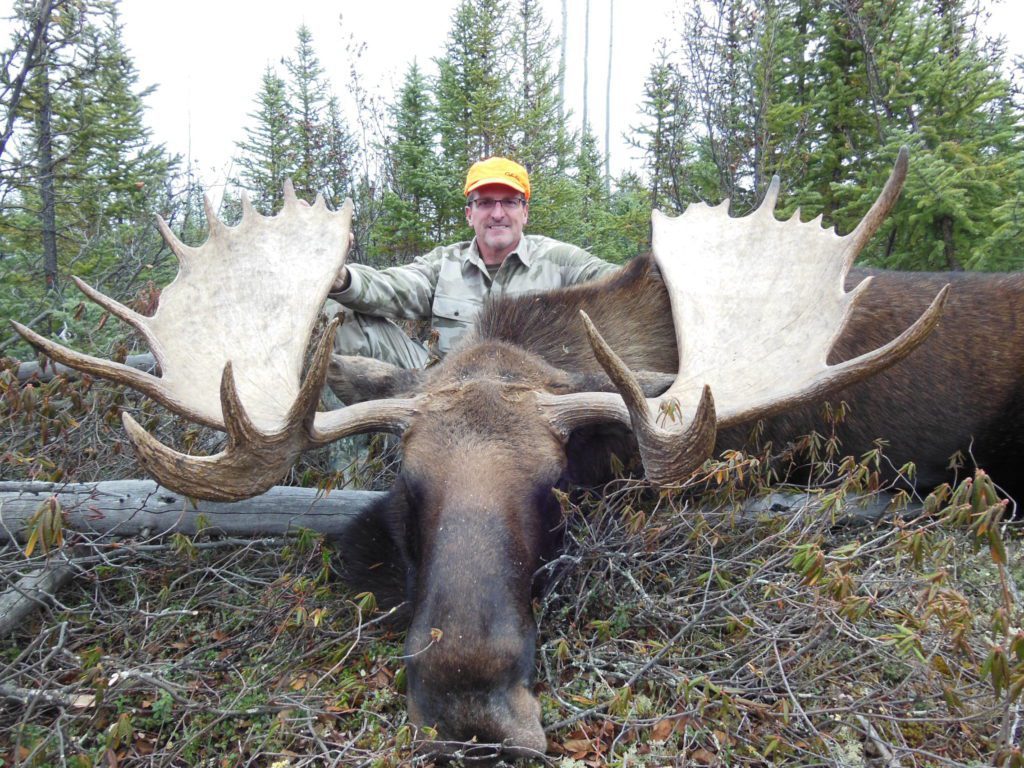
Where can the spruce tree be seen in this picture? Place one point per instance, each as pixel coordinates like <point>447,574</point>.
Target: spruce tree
<point>474,93</point>
<point>268,156</point>
<point>541,142</point>
<point>336,156</point>
<point>307,96</point>
<point>664,134</point>
<point>82,175</point>
<point>413,219</point>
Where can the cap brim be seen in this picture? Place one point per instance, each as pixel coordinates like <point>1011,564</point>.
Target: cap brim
<point>502,180</point>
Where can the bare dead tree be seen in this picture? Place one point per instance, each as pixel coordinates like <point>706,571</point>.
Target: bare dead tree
<point>33,48</point>
<point>561,62</point>
<point>586,67</point>
<point>608,100</point>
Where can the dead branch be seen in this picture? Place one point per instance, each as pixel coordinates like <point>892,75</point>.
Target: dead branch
<point>32,591</point>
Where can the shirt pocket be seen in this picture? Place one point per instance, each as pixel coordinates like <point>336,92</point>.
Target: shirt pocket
<point>453,317</point>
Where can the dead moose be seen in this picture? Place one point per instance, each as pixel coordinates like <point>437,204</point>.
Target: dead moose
<point>744,309</point>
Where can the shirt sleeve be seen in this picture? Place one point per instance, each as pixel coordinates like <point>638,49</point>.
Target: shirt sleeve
<point>577,265</point>
<point>399,293</point>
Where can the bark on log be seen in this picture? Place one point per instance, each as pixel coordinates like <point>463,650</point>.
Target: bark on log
<point>120,508</point>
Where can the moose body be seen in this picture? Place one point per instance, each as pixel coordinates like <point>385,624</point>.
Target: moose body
<point>961,392</point>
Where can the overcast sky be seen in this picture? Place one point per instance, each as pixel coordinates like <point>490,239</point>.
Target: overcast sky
<point>207,57</point>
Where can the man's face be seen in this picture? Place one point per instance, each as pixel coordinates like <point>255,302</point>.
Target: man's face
<point>499,229</point>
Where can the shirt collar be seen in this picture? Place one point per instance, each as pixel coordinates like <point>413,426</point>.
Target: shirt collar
<point>521,252</point>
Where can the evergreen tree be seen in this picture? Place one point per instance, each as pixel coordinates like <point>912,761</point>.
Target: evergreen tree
<point>309,102</point>
<point>664,134</point>
<point>825,94</point>
<point>413,220</point>
<point>542,143</point>
<point>335,156</point>
<point>83,177</point>
<point>268,156</point>
<point>474,95</point>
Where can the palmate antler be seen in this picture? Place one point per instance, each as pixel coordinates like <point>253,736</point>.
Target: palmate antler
<point>230,335</point>
<point>757,305</point>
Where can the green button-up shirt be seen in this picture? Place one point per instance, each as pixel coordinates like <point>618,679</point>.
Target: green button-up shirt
<point>449,285</point>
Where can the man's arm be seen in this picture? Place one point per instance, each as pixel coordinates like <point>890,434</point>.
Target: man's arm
<point>579,266</point>
<point>399,293</point>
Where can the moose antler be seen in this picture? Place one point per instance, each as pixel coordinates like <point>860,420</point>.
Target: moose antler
<point>757,304</point>
<point>230,335</point>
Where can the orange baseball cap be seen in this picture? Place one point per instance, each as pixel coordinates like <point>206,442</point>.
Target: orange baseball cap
<point>498,170</point>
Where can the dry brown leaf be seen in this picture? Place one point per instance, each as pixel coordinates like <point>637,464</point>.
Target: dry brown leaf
<point>663,729</point>
<point>703,757</point>
<point>83,701</point>
<point>582,746</point>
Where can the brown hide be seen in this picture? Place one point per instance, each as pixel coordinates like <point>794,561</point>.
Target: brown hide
<point>962,390</point>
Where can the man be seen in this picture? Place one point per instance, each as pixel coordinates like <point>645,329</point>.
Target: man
<point>449,284</point>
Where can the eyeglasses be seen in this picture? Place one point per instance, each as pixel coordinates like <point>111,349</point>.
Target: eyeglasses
<point>486,204</point>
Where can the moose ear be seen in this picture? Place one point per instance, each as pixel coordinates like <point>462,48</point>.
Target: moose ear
<point>358,379</point>
<point>652,383</point>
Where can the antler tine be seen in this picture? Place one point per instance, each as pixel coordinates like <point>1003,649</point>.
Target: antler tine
<point>290,198</point>
<point>771,197</point>
<point>213,222</point>
<point>182,251</point>
<point>107,369</point>
<point>248,212</point>
<point>251,463</point>
<point>114,307</point>
<point>309,395</point>
<point>668,454</point>
<point>880,208</point>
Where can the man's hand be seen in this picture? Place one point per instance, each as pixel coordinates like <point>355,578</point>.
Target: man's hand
<point>342,279</point>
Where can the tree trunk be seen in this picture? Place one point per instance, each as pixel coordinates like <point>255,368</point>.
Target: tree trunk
<point>586,67</point>
<point>48,369</point>
<point>608,102</point>
<point>48,214</point>
<point>561,63</point>
<point>949,244</point>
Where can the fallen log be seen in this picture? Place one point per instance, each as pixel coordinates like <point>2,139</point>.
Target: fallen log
<point>46,370</point>
<point>121,508</point>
